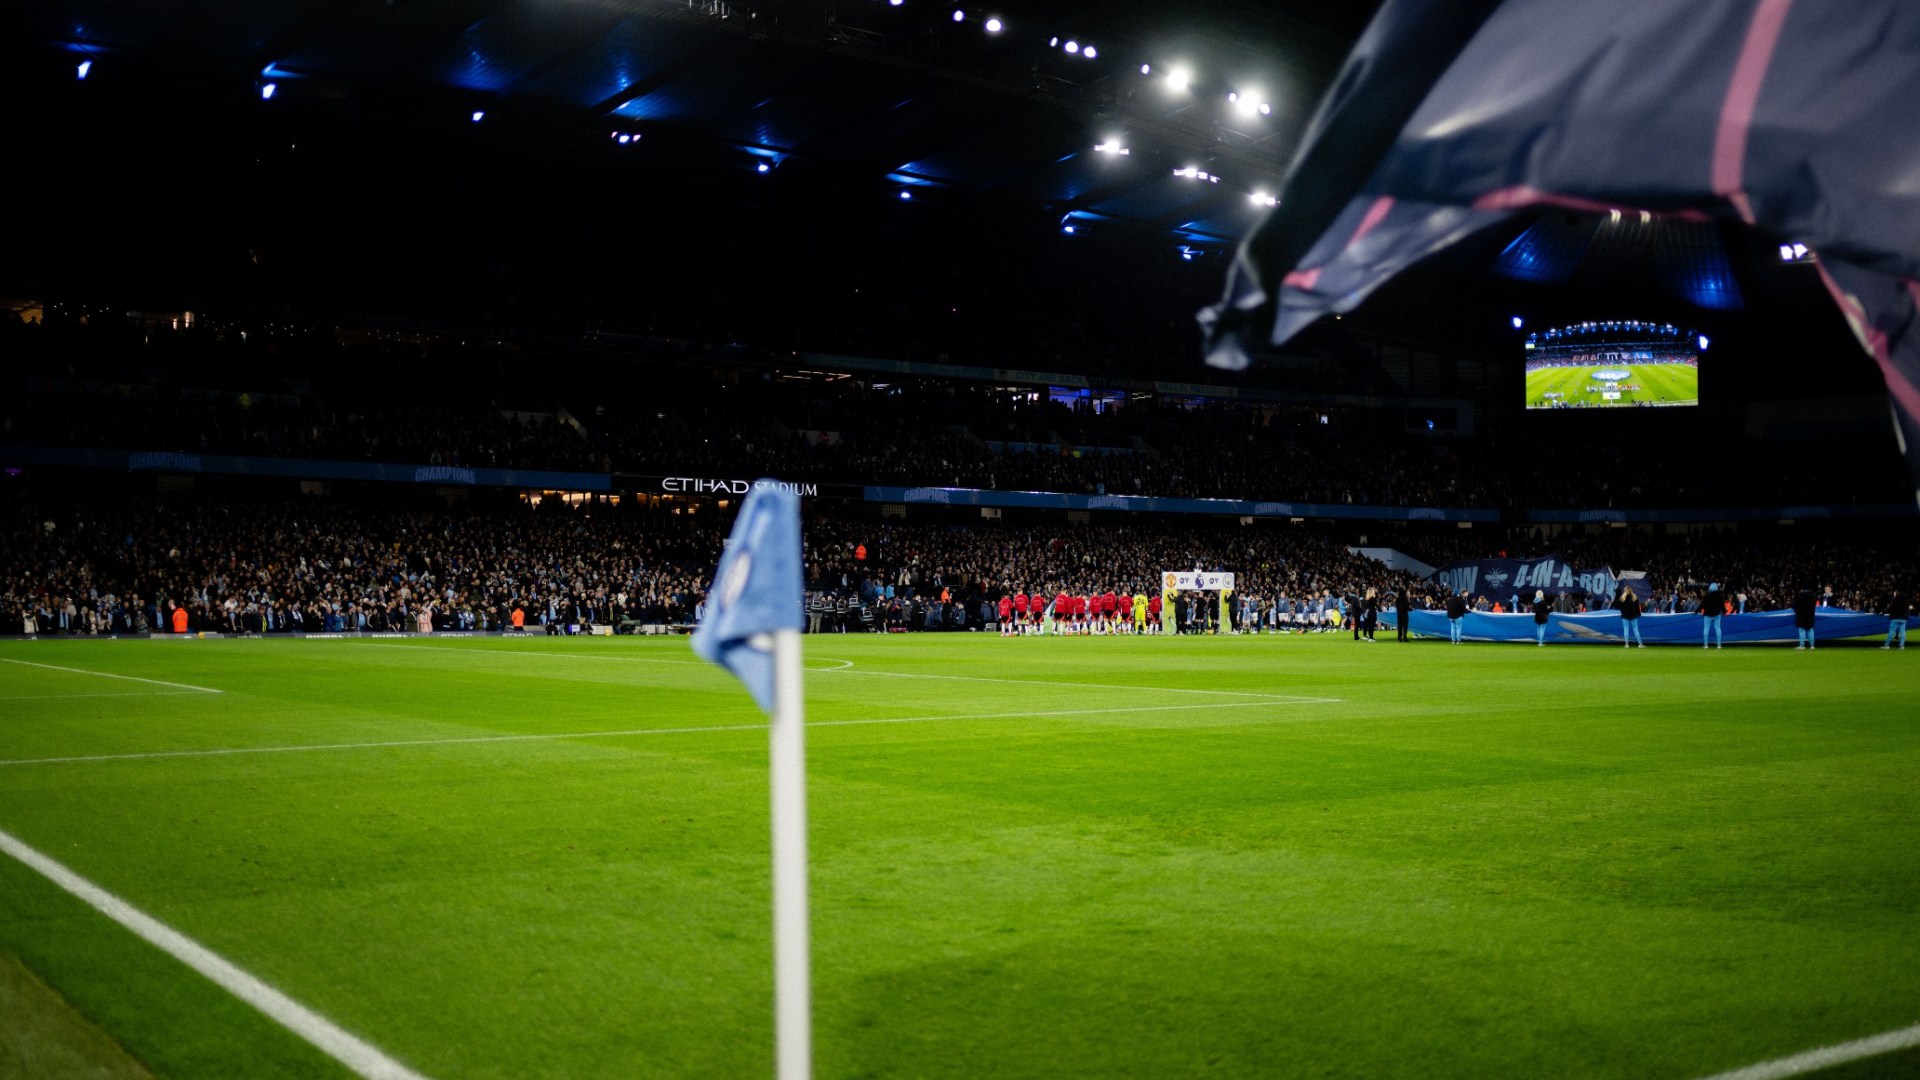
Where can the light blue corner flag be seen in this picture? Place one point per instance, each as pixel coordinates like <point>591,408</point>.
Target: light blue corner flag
<point>756,590</point>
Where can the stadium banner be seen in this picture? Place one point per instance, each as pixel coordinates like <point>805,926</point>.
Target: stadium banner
<point>1048,500</point>
<point>731,486</point>
<point>1498,579</point>
<point>301,468</point>
<point>1603,627</point>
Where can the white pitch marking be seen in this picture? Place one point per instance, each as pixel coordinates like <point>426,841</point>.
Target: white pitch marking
<point>361,1057</point>
<point>847,665</point>
<point>111,675</point>
<point>66,697</point>
<point>567,656</point>
<point>1827,1056</point>
<point>226,751</point>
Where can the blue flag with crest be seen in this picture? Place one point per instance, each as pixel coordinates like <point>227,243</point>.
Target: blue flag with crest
<point>756,590</point>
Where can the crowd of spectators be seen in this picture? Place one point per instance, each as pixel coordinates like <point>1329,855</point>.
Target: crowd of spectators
<point>314,564</point>
<point>202,391</point>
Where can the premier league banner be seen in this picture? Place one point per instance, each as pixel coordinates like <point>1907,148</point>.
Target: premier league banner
<point>1497,579</point>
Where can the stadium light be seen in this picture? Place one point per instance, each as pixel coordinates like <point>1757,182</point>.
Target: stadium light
<point>1703,341</point>
<point>1146,69</point>
<point>1090,52</point>
<point>1518,322</point>
<point>959,15</point>
<point>479,115</point>
<point>1068,229</point>
<point>994,26</point>
<point>1261,198</point>
<point>1111,146</point>
<point>266,91</point>
<point>895,3</point>
<point>1179,79</point>
<point>1071,46</point>
<point>81,71</point>
<point>762,168</point>
<point>906,195</point>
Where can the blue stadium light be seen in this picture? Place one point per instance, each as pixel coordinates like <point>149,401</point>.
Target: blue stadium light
<point>1518,322</point>
<point>762,168</point>
<point>81,71</point>
<point>479,115</point>
<point>1068,229</point>
<point>895,3</point>
<point>906,195</point>
<point>959,15</point>
<point>1703,341</point>
<point>266,91</point>
<point>994,26</point>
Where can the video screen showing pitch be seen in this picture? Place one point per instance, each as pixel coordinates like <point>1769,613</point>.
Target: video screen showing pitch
<point>1605,365</point>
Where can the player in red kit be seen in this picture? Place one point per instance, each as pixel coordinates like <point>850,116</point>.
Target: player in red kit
<point>1020,612</point>
<point>1109,605</point>
<point>1153,612</point>
<point>1006,616</point>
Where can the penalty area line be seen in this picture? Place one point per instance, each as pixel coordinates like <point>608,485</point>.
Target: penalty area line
<point>556,736</point>
<point>1826,1057</point>
<point>350,1050</point>
<point>111,675</point>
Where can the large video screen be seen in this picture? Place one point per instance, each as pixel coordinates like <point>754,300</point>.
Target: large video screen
<point>1603,365</point>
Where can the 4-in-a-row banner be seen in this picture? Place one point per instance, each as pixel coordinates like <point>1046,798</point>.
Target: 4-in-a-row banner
<point>1209,581</point>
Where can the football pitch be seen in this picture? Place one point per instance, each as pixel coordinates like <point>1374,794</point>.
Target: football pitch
<point>1089,857</point>
<point>1660,384</point>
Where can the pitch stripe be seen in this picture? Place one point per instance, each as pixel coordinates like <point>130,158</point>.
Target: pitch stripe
<point>342,1046</point>
<point>111,675</point>
<point>69,697</point>
<point>226,751</point>
<point>847,666</point>
<point>1827,1056</point>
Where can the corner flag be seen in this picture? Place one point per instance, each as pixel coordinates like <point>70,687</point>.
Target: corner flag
<point>756,591</point>
<point>752,629</point>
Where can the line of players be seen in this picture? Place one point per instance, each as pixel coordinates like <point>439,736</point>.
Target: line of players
<point>1093,613</point>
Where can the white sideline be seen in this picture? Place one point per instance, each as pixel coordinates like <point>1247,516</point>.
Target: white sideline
<point>361,1057</point>
<point>111,675</point>
<point>1827,1056</point>
<point>848,666</point>
<point>69,697</point>
<point>225,751</point>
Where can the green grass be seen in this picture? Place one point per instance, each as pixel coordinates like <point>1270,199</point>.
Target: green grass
<point>1480,861</point>
<point>1659,383</point>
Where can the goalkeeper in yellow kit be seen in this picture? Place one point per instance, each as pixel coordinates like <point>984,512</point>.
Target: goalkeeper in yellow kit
<point>1139,613</point>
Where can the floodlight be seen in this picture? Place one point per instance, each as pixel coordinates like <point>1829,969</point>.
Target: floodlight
<point>1090,52</point>
<point>479,115</point>
<point>1703,341</point>
<point>81,71</point>
<point>762,167</point>
<point>1068,229</point>
<point>1518,322</point>
<point>266,91</point>
<point>1146,69</point>
<point>1265,109</point>
<point>906,195</point>
<point>1179,79</point>
<point>959,16</point>
<point>1071,46</point>
<point>993,26</point>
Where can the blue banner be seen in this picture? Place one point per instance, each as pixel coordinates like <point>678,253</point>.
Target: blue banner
<point>301,468</point>
<point>1603,627</point>
<point>1499,579</point>
<point>1047,500</point>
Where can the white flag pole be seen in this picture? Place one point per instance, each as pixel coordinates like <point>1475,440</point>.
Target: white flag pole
<point>792,963</point>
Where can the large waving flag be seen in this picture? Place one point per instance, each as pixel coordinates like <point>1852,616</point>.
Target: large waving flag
<point>756,590</point>
<point>1799,117</point>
